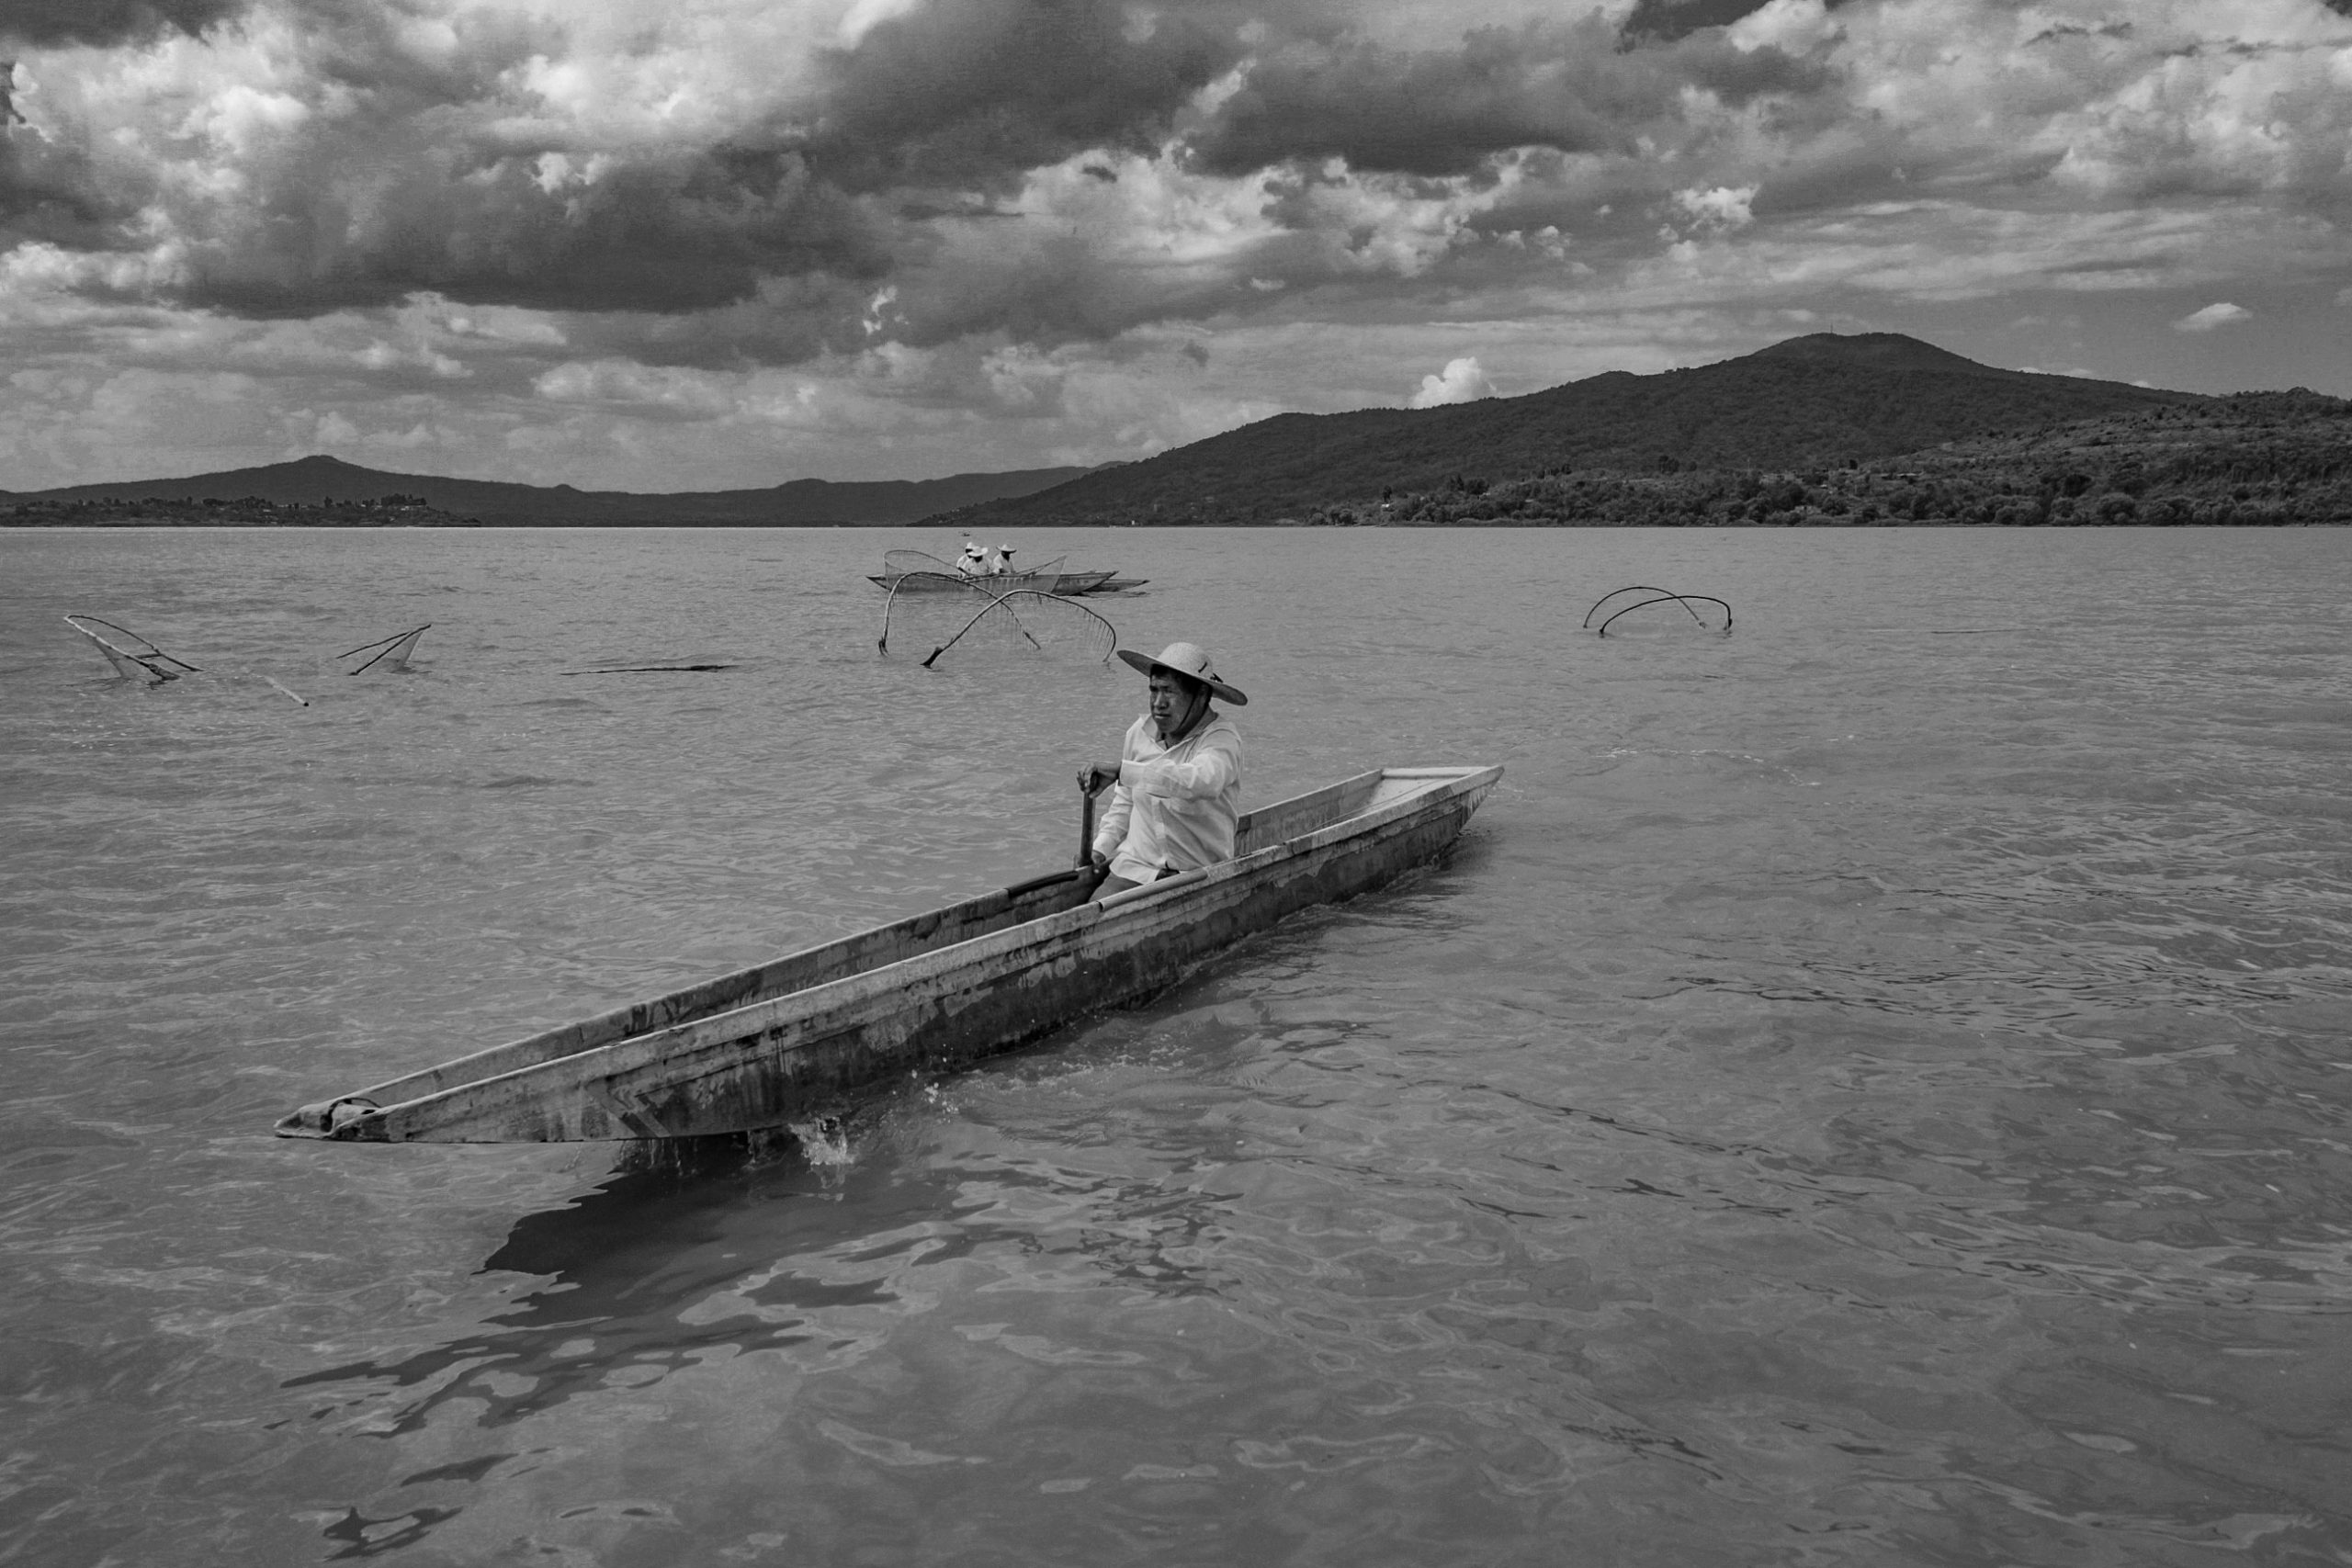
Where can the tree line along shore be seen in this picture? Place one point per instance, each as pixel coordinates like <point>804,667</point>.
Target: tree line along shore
<point>2253,459</point>
<point>2258,459</point>
<point>244,511</point>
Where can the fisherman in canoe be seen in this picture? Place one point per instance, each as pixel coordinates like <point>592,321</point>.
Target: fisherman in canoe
<point>973,562</point>
<point>1176,790</point>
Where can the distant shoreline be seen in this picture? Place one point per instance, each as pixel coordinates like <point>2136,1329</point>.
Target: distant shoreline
<point>1814,523</point>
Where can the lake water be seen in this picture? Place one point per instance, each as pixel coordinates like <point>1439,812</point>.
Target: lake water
<point>1867,1089</point>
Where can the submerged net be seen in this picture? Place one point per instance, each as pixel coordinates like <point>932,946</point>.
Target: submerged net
<point>131,655</point>
<point>975,623</point>
<point>391,652</point>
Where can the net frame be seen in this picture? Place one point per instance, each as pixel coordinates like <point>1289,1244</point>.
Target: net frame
<point>924,583</point>
<point>1658,596</point>
<point>900,564</point>
<point>897,563</point>
<point>147,657</point>
<point>396,648</point>
<point>1028,612</point>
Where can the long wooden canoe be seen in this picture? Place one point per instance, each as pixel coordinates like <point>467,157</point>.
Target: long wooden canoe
<point>805,1035</point>
<point>1069,584</point>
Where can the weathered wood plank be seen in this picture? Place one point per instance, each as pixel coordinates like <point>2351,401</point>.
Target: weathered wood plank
<point>800,1036</point>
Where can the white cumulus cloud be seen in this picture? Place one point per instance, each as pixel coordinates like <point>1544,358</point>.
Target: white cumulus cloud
<point>1717,211</point>
<point>2221,314</point>
<point>1461,381</point>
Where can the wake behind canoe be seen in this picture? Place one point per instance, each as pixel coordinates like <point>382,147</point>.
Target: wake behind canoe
<point>803,1036</point>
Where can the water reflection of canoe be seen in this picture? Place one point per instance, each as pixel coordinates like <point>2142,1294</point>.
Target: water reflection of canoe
<point>805,1034</point>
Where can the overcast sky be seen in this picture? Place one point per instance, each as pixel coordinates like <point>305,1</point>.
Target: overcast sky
<point>713,243</point>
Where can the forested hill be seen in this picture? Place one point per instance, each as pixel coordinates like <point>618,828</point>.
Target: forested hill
<point>1815,402</point>
<point>2253,458</point>
<point>327,490</point>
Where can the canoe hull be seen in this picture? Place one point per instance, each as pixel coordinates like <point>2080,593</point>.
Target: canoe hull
<point>811,1051</point>
<point>1067,584</point>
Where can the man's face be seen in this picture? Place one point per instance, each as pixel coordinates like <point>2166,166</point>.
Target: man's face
<point>1170,702</point>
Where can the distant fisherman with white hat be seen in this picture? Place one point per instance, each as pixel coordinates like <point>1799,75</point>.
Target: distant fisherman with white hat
<point>1178,781</point>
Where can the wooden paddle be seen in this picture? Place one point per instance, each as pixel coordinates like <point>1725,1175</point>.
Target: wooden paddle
<point>1086,820</point>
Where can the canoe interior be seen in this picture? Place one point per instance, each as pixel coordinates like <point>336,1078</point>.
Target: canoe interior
<point>929,933</point>
<point>1066,583</point>
<point>780,977</point>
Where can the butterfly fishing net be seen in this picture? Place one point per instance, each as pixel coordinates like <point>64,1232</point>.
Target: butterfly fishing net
<point>899,565</point>
<point>928,607</point>
<point>131,655</point>
<point>1025,621</point>
<point>1625,600</point>
<point>976,624</point>
<point>389,653</point>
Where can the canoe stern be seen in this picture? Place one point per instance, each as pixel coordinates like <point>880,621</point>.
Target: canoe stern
<point>797,1053</point>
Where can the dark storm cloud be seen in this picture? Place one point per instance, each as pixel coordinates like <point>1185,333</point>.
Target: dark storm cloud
<point>423,180</point>
<point>973,94</point>
<point>1666,20</point>
<point>787,321</point>
<point>48,191</point>
<point>1671,19</point>
<point>661,236</point>
<point>1572,88</point>
<point>436,172</point>
<point>434,176</point>
<point>50,23</point>
<point>43,196</point>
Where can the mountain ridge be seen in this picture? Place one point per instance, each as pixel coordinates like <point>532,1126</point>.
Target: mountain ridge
<point>320,480</point>
<point>1823,398</point>
<point>1698,444</point>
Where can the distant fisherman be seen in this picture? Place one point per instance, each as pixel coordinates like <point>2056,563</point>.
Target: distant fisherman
<point>1176,794</point>
<point>1003,565</point>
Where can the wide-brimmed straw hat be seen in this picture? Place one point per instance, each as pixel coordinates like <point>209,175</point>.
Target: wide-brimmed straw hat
<point>1188,659</point>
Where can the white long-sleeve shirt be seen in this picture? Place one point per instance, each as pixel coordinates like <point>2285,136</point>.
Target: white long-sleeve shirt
<point>1174,807</point>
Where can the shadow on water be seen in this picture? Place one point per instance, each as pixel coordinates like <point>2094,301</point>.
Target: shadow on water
<point>694,1252</point>
<point>619,1264</point>
<point>620,1270</point>
<point>626,1271</point>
